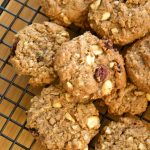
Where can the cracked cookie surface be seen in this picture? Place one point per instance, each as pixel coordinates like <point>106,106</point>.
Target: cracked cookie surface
<point>90,68</point>
<point>128,133</point>
<point>66,12</point>
<point>138,63</point>
<point>60,124</point>
<point>34,50</point>
<point>123,21</point>
<point>129,100</point>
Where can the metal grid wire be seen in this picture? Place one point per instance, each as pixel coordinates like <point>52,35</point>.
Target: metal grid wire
<point>105,117</point>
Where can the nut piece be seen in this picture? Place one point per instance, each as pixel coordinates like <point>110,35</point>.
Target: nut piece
<point>142,146</point>
<point>69,117</point>
<point>107,87</point>
<point>105,16</point>
<point>116,2</point>
<point>96,50</point>
<point>69,85</point>
<point>65,19</point>
<point>108,130</point>
<point>139,93</point>
<point>130,139</point>
<point>114,30</point>
<point>148,96</point>
<point>86,148</point>
<point>57,105</point>
<point>93,122</point>
<point>95,4</point>
<point>90,59</point>
<point>103,146</point>
<point>111,65</point>
<point>67,97</point>
<point>148,141</point>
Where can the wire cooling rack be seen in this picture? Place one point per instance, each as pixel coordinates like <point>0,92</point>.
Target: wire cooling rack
<point>15,93</point>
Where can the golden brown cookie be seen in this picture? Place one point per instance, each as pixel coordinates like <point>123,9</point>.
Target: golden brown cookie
<point>123,21</point>
<point>127,134</point>
<point>128,100</point>
<point>66,12</point>
<point>34,50</point>
<point>61,125</point>
<point>89,67</point>
<point>138,63</point>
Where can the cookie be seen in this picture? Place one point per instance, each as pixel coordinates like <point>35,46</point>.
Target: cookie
<point>128,100</point>
<point>90,68</point>
<point>66,12</point>
<point>34,50</point>
<point>61,125</point>
<point>138,63</point>
<point>123,21</point>
<point>127,134</point>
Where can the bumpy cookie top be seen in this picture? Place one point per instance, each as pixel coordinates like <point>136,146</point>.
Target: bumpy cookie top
<point>128,100</point>
<point>62,125</point>
<point>138,63</point>
<point>123,21</point>
<point>90,67</point>
<point>128,133</point>
<point>34,49</point>
<point>65,12</point>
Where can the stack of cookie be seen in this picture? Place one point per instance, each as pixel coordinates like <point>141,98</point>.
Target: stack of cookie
<point>85,69</point>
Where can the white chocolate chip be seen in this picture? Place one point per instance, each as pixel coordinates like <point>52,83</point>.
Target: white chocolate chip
<point>142,146</point>
<point>107,87</point>
<point>111,65</point>
<point>96,50</point>
<point>108,130</point>
<point>93,122</point>
<point>69,85</point>
<point>90,60</point>
<point>69,117</point>
<point>57,105</point>
<point>86,148</point>
<point>105,16</point>
<point>130,139</point>
<point>114,30</point>
<point>95,4</point>
<point>148,96</point>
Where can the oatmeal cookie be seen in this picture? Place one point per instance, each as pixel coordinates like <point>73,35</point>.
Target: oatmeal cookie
<point>128,100</point>
<point>34,49</point>
<point>123,21</point>
<point>65,12</point>
<point>90,67</point>
<point>138,63</point>
<point>61,125</point>
<point>127,134</point>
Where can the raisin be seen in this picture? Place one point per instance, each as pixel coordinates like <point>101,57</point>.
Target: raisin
<point>40,58</point>
<point>118,67</point>
<point>34,131</point>
<point>108,43</point>
<point>14,47</point>
<point>101,73</point>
